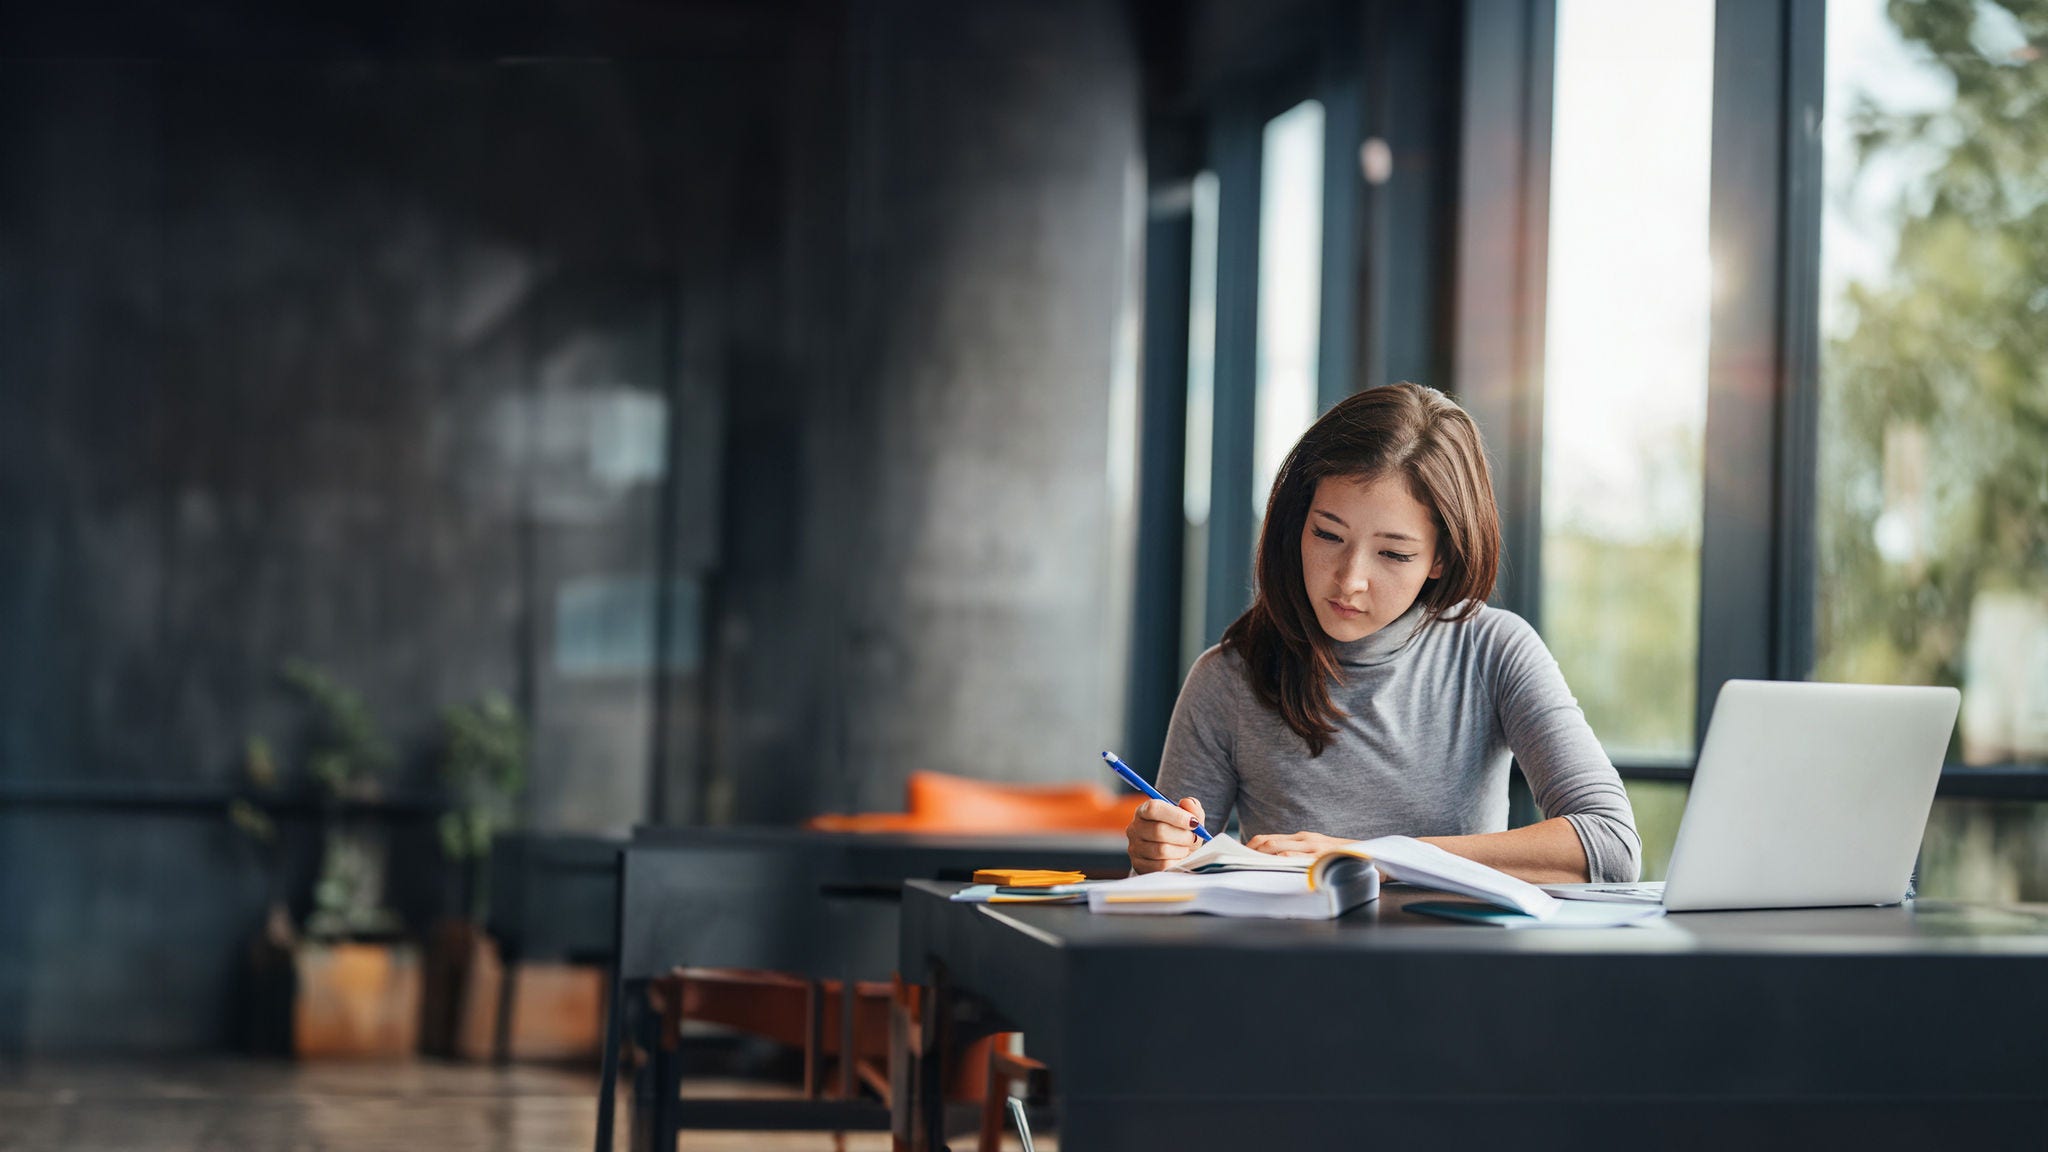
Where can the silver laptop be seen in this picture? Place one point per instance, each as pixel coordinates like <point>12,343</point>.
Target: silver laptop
<point>1805,796</point>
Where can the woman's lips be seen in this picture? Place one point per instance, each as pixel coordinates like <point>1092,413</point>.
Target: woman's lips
<point>1342,611</point>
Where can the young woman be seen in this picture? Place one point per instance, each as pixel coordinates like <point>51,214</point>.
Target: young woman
<point>1369,690</point>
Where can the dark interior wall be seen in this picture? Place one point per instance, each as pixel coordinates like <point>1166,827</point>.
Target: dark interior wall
<point>365,363</point>
<point>992,169</point>
<point>367,360</point>
<point>920,513</point>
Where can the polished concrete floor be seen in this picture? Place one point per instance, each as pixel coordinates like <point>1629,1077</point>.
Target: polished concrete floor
<point>227,1105</point>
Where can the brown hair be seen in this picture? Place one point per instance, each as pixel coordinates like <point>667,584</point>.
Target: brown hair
<point>1408,429</point>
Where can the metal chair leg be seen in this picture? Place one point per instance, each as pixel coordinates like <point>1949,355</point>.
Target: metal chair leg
<point>1005,1069</point>
<point>1017,1117</point>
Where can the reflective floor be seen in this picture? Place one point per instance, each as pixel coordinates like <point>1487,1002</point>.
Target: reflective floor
<point>230,1105</point>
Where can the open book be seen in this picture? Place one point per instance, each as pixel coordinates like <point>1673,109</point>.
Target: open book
<point>1229,879</point>
<point>1282,894</point>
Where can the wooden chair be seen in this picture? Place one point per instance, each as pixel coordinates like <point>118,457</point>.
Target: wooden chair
<point>1009,1075</point>
<point>804,1013</point>
<point>986,1071</point>
<point>789,1010</point>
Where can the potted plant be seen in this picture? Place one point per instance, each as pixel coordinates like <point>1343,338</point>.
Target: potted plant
<point>352,982</point>
<point>483,766</point>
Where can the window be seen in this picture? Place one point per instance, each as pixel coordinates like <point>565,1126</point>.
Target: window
<point>1201,436</point>
<point>1625,378</point>
<point>1932,487</point>
<point>1290,289</point>
<point>1931,490</point>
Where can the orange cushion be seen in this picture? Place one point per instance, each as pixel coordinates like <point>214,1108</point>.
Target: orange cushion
<point>942,802</point>
<point>966,804</point>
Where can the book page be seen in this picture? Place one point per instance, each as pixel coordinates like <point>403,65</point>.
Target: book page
<point>1268,895</point>
<point>1225,853</point>
<point>1247,881</point>
<point>1426,865</point>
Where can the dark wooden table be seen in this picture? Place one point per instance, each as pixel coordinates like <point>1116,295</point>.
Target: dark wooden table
<point>815,904</point>
<point>1917,1026</point>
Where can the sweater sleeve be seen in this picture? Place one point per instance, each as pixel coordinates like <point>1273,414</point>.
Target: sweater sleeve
<point>1569,773</point>
<point>1199,758</point>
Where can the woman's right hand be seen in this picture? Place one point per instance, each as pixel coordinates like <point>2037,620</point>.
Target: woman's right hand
<point>1160,833</point>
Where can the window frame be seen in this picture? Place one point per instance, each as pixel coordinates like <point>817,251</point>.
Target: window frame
<point>1227,126</point>
<point>1757,546</point>
<point>1477,324</point>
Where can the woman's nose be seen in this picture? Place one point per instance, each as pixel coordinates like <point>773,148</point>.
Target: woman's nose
<point>1352,575</point>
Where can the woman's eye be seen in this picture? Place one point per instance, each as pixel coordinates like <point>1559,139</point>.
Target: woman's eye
<point>1322,535</point>
<point>1398,556</point>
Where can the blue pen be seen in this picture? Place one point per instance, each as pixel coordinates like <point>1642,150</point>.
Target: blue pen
<point>1136,781</point>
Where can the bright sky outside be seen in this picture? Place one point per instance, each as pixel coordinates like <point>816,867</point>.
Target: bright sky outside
<point>1201,350</point>
<point>1626,372</point>
<point>1290,288</point>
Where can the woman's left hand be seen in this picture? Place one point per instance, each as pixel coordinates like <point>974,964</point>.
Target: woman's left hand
<point>1299,843</point>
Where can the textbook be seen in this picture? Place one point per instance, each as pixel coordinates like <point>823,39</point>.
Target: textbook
<point>1289,894</point>
<point>1224,853</point>
<point>1225,877</point>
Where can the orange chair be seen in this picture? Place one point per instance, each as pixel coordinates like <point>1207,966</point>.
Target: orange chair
<point>1008,1075</point>
<point>798,1013</point>
<point>940,802</point>
<point>794,1011</point>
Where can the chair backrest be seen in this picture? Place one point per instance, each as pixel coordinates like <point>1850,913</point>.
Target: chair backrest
<point>552,896</point>
<point>730,898</point>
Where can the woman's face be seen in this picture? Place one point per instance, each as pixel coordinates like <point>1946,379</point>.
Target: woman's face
<point>1366,550</point>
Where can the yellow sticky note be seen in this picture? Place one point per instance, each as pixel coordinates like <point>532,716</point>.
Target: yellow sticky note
<point>1026,877</point>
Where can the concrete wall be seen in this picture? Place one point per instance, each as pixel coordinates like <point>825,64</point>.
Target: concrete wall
<point>367,363</point>
<point>962,561</point>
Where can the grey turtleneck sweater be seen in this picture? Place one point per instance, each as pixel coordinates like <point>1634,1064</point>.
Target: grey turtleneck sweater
<point>1432,716</point>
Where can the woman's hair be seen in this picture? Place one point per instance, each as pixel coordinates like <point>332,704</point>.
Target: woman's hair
<point>1405,429</point>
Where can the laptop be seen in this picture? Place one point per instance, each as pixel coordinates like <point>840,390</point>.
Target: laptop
<point>1805,796</point>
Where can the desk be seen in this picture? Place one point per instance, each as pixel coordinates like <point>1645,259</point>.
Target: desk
<point>1920,1026</point>
<point>815,904</point>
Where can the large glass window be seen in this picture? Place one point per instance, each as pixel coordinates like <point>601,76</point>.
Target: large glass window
<point>1932,485</point>
<point>1201,426</point>
<point>1933,454</point>
<point>1625,377</point>
<point>1290,289</point>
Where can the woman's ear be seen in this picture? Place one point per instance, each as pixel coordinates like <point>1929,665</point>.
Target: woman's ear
<point>1436,570</point>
